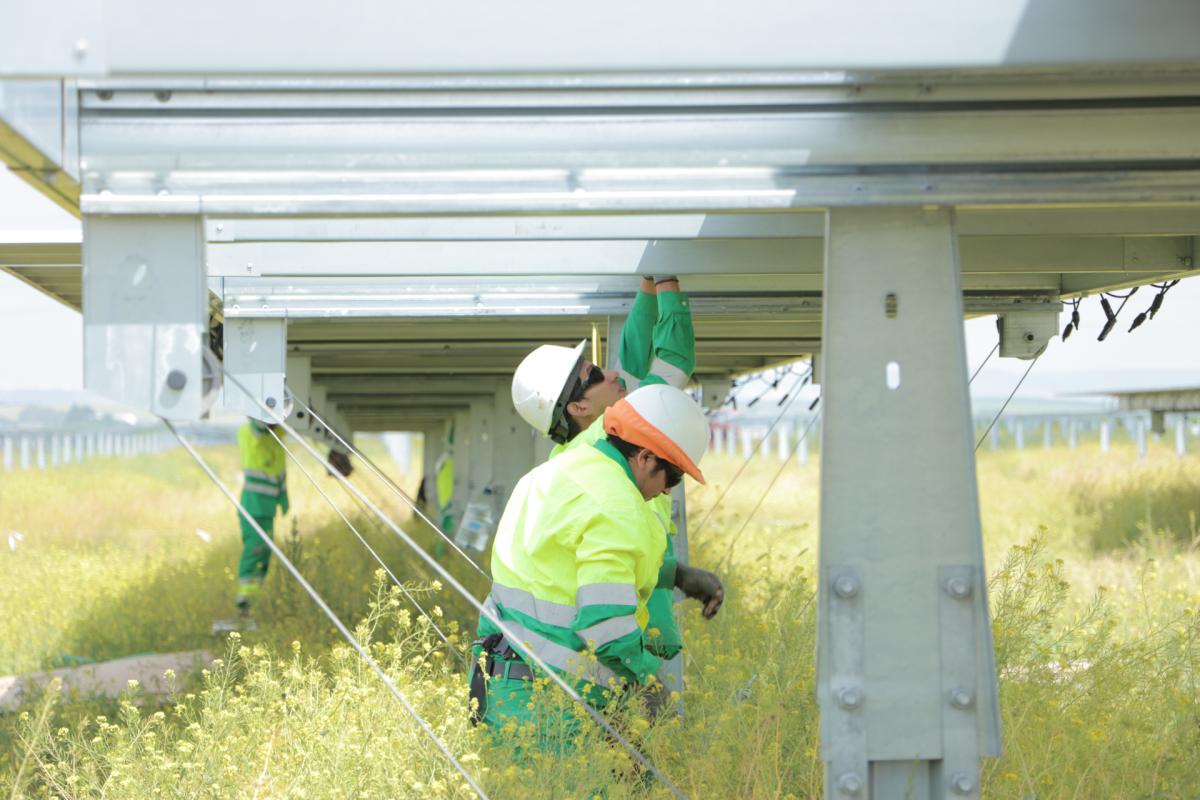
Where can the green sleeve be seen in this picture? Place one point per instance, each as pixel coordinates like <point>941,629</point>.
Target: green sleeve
<point>666,642</point>
<point>637,339</point>
<point>674,342</point>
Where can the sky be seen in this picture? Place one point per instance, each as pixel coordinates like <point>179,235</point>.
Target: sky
<point>41,341</point>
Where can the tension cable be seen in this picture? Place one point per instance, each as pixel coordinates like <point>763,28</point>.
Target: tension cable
<point>337,622</point>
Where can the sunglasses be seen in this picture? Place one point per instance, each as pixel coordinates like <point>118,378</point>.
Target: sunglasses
<point>674,473</point>
<point>595,375</point>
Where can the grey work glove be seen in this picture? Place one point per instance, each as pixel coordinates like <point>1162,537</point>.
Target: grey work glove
<point>341,462</point>
<point>701,585</point>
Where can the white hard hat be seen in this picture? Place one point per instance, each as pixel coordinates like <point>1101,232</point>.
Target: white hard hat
<point>542,385</point>
<point>665,421</point>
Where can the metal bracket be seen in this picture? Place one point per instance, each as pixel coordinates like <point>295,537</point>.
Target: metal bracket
<point>843,724</point>
<point>1026,334</point>
<point>146,316</point>
<point>256,356</point>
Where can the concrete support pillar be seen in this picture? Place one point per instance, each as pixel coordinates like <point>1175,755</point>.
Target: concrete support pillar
<point>1139,427</point>
<point>1181,435</point>
<point>905,676</point>
<point>25,453</point>
<point>1019,426</point>
<point>1072,434</point>
<point>730,439</point>
<point>1105,435</point>
<point>68,449</point>
<point>8,453</point>
<point>41,451</point>
<point>747,442</point>
<point>1048,433</point>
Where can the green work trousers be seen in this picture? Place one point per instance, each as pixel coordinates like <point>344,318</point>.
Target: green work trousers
<point>255,554</point>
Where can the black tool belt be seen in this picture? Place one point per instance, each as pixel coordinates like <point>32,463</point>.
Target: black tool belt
<point>500,661</point>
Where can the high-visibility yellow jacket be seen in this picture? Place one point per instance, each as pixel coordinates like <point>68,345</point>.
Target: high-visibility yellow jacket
<point>264,465</point>
<point>658,345</point>
<point>576,557</point>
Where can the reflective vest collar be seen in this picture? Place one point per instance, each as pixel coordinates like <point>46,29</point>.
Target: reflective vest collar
<point>604,446</point>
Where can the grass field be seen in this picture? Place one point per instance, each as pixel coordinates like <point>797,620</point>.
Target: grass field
<point>1094,560</point>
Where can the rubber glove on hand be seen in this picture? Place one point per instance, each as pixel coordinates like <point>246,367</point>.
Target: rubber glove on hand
<point>701,585</point>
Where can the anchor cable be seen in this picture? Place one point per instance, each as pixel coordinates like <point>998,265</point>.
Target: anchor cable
<point>392,485</point>
<point>370,549</point>
<point>1011,394</point>
<point>486,613</point>
<point>337,622</point>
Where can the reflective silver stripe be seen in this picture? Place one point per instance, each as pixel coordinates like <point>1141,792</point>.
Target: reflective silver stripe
<point>669,373</point>
<point>541,610</point>
<point>573,663</point>
<point>270,491</point>
<point>609,631</point>
<point>259,475</point>
<point>606,594</point>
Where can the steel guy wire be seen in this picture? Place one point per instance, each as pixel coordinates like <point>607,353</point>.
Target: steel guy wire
<point>316,597</point>
<point>979,369</point>
<point>1011,394</point>
<point>393,486</point>
<point>370,549</point>
<point>733,542</point>
<point>513,639</point>
<point>795,392</point>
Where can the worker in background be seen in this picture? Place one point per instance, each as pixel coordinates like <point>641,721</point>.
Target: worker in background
<point>264,489</point>
<point>577,555</point>
<point>565,396</point>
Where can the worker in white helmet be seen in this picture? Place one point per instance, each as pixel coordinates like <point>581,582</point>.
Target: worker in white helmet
<point>576,558</point>
<point>561,393</point>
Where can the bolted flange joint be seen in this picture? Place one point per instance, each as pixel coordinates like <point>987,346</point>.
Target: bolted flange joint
<point>958,588</point>
<point>845,587</point>
<point>850,698</point>
<point>961,698</point>
<point>962,783</point>
<point>850,783</point>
